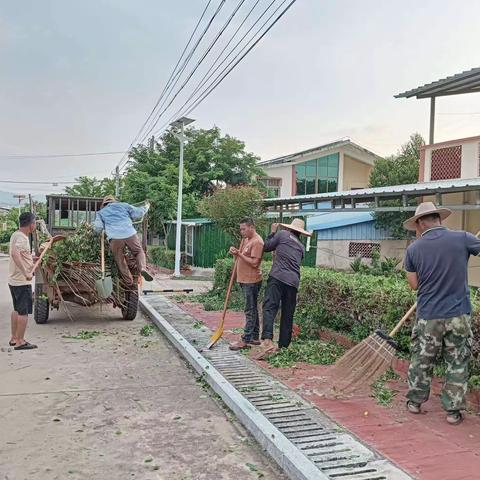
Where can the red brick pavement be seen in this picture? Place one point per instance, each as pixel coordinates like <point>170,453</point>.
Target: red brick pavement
<point>424,445</point>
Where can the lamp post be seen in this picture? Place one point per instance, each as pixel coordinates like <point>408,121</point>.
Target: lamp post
<point>181,122</point>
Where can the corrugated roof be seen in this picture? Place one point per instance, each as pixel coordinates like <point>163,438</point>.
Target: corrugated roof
<point>325,221</point>
<point>465,82</point>
<point>321,149</point>
<point>441,186</point>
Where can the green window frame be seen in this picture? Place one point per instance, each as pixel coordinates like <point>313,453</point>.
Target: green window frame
<point>317,176</point>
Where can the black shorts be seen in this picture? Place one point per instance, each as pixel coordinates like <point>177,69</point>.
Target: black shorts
<point>22,299</point>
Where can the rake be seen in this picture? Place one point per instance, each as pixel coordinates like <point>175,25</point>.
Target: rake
<point>369,360</point>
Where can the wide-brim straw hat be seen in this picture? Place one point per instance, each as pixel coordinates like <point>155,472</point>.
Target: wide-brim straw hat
<point>297,225</point>
<point>425,208</point>
<point>108,199</point>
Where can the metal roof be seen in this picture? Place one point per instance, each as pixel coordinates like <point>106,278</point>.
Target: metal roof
<point>465,82</point>
<point>321,149</point>
<point>425,188</point>
<point>325,221</point>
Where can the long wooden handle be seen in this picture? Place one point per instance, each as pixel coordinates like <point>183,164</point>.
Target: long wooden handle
<point>230,283</point>
<point>39,259</point>
<point>102,254</point>
<point>403,320</point>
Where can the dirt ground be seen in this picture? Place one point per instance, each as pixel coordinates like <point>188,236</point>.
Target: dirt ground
<point>117,406</point>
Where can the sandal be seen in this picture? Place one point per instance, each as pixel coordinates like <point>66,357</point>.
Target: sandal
<point>264,353</point>
<point>25,346</point>
<point>239,346</point>
<point>147,277</point>
<point>454,417</point>
<point>12,344</point>
<point>414,407</point>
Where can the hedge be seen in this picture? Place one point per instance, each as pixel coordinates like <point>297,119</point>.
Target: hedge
<point>4,248</point>
<point>354,304</point>
<point>163,258</point>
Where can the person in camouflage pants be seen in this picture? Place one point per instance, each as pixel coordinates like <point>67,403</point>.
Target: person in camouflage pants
<point>437,267</point>
<point>450,339</point>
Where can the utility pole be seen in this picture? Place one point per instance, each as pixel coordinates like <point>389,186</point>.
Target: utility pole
<point>117,182</point>
<point>20,198</point>
<point>181,122</point>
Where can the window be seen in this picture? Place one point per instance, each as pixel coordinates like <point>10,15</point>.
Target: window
<point>272,185</point>
<point>362,249</point>
<point>317,176</point>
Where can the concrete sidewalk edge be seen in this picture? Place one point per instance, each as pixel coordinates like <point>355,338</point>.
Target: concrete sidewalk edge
<point>295,464</point>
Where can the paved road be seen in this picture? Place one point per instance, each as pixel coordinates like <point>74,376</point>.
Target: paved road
<point>118,406</point>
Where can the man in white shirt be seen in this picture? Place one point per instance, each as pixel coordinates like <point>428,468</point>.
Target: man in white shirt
<point>20,281</point>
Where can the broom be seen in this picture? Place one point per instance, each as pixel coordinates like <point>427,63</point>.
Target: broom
<point>219,331</point>
<point>368,360</point>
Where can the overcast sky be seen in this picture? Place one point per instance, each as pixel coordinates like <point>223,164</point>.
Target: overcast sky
<point>81,76</point>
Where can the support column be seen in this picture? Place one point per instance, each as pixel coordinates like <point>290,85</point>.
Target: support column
<point>432,121</point>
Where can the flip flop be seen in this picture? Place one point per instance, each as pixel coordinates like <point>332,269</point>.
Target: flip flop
<point>147,276</point>
<point>12,344</point>
<point>264,353</point>
<point>25,346</point>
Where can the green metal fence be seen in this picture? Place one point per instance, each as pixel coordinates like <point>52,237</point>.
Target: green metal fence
<point>211,243</point>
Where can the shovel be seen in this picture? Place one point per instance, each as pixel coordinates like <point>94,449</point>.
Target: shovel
<point>104,285</point>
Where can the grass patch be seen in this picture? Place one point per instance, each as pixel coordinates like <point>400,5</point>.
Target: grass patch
<point>214,302</point>
<point>147,330</point>
<point>308,351</point>
<point>383,394</point>
<point>198,324</point>
<point>237,330</point>
<point>84,335</point>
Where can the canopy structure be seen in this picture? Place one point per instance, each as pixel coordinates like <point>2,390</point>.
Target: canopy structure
<point>465,82</point>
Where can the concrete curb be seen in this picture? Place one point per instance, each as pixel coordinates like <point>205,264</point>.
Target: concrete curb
<point>295,464</point>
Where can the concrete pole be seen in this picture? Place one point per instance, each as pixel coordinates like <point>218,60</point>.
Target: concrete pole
<point>432,121</point>
<point>117,182</point>
<point>178,235</point>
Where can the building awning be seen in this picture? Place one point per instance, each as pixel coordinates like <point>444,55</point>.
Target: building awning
<point>465,82</point>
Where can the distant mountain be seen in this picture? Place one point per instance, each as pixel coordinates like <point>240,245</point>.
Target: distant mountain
<point>7,199</point>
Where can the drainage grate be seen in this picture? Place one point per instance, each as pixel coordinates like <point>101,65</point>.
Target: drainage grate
<point>336,454</point>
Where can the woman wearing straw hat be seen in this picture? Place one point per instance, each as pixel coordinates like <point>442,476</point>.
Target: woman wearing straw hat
<point>437,266</point>
<point>283,283</point>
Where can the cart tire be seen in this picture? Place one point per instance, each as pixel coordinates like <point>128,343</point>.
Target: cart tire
<point>41,307</point>
<point>129,312</point>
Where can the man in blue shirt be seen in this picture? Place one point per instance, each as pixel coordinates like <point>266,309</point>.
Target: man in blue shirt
<point>116,219</point>
<point>437,267</point>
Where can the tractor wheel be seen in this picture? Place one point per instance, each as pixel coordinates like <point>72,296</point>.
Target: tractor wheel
<point>41,306</point>
<point>129,311</point>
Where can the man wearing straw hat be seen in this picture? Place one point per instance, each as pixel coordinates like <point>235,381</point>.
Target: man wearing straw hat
<point>116,219</point>
<point>283,282</point>
<point>436,265</point>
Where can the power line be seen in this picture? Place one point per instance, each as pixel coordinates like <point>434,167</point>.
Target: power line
<point>59,155</point>
<point>176,75</point>
<point>199,62</point>
<point>207,77</point>
<point>32,182</point>
<point>168,82</point>
<point>219,79</point>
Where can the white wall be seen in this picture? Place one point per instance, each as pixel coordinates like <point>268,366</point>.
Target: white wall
<point>285,173</point>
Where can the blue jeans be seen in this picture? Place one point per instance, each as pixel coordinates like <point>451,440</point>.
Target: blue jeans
<point>252,323</point>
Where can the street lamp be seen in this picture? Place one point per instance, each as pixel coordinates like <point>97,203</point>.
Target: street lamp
<point>181,122</point>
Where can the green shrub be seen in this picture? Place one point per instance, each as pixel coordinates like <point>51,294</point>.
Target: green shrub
<point>163,258</point>
<point>4,248</point>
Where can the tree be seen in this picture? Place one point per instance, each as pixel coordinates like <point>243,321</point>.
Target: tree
<point>152,176</point>
<point>227,207</point>
<point>399,169</point>
<point>92,187</point>
<point>210,159</point>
